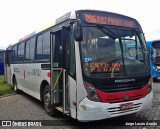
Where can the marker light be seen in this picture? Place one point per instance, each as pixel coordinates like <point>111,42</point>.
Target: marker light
<point>149,86</point>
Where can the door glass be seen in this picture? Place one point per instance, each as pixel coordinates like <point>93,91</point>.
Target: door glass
<point>57,51</point>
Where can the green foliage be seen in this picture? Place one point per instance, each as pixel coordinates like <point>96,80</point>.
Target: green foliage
<point>4,87</point>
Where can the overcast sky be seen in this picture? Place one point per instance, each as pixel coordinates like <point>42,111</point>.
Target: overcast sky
<point>21,17</point>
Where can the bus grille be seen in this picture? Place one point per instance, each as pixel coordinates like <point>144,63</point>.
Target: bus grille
<point>116,110</point>
<point>122,96</point>
<point>119,88</point>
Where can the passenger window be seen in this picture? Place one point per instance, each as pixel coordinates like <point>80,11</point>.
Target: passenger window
<point>27,54</point>
<point>46,42</point>
<point>30,46</point>
<point>21,52</point>
<point>43,46</point>
<point>39,54</point>
<point>14,54</point>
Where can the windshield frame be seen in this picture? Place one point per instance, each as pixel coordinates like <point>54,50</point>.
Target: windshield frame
<point>154,49</point>
<point>120,40</point>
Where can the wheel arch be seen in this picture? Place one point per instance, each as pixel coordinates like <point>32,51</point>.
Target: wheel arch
<point>42,86</point>
<point>13,76</point>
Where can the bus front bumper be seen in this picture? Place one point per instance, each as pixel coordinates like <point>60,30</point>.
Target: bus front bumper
<point>89,110</point>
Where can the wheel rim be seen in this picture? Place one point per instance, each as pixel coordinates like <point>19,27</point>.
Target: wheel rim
<point>15,85</point>
<point>47,102</point>
<point>15,88</point>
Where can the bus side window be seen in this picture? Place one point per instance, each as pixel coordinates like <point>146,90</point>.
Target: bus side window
<point>27,52</point>
<point>57,59</point>
<point>43,46</point>
<point>30,47</point>
<point>39,47</point>
<point>8,57</point>
<point>21,52</point>
<point>46,44</point>
<point>14,54</point>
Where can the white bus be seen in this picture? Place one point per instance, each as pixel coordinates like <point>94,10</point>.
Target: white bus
<point>81,67</point>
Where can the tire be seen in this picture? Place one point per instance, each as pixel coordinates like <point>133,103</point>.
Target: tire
<point>47,102</point>
<point>16,90</point>
<point>155,80</point>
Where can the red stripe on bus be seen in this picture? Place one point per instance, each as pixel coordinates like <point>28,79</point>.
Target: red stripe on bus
<point>122,96</point>
<point>49,74</point>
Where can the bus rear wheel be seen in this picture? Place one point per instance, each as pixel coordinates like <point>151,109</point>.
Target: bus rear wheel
<point>16,90</point>
<point>47,102</point>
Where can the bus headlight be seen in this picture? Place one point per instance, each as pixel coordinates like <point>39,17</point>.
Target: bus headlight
<point>149,86</point>
<point>91,92</point>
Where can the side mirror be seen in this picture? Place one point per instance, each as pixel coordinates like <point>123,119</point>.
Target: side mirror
<point>78,32</point>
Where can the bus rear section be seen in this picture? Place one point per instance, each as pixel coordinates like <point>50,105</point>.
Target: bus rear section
<point>154,47</point>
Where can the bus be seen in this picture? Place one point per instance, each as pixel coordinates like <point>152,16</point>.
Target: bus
<point>2,62</point>
<point>7,67</point>
<point>80,66</point>
<point>154,47</point>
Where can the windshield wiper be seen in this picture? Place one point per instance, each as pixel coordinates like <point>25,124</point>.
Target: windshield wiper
<point>106,31</point>
<point>111,34</point>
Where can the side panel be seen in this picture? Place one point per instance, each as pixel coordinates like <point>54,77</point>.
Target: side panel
<point>19,68</point>
<point>81,91</point>
<point>30,78</point>
<point>73,96</point>
<point>33,77</point>
<point>8,74</point>
<point>16,69</point>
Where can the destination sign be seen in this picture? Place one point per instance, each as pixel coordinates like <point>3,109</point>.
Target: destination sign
<point>110,19</point>
<point>104,67</point>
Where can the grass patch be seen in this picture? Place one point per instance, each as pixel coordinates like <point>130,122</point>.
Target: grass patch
<point>4,87</point>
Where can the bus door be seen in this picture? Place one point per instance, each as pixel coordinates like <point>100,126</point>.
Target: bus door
<point>59,72</point>
<point>7,67</point>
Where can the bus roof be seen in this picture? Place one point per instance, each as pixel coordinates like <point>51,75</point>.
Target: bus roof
<point>103,15</point>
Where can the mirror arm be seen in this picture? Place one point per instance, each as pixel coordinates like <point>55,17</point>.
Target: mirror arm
<point>77,31</point>
<point>74,20</point>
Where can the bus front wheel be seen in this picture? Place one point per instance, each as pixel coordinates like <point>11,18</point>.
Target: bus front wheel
<point>47,101</point>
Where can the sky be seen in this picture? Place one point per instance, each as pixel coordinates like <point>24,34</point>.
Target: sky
<point>21,17</point>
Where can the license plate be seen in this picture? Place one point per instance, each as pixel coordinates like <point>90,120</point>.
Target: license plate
<point>126,106</point>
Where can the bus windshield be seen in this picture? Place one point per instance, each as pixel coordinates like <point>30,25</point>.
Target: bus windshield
<point>156,52</point>
<point>113,52</point>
